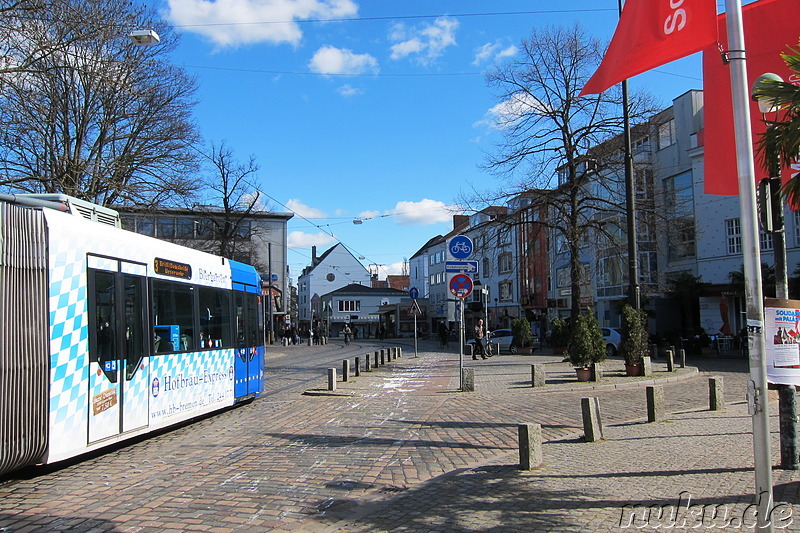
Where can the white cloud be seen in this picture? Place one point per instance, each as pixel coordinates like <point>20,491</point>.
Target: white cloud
<point>426,42</point>
<point>509,112</point>
<point>298,239</point>
<point>395,269</point>
<point>369,214</point>
<point>237,22</point>
<point>422,213</point>
<point>301,209</point>
<point>349,90</point>
<point>332,60</point>
<point>491,52</point>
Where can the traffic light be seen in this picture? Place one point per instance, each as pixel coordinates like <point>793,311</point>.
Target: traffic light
<point>770,204</point>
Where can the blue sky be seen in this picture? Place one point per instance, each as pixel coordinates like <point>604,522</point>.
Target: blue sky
<point>377,109</point>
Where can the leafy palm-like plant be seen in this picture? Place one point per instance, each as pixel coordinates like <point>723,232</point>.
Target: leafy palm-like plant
<point>782,137</point>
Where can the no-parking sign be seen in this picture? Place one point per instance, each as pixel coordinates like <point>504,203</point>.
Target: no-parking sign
<point>461,285</point>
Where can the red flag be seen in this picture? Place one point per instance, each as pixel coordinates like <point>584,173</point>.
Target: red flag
<point>651,33</point>
<point>768,31</point>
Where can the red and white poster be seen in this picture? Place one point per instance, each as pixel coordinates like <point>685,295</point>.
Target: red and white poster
<point>782,335</point>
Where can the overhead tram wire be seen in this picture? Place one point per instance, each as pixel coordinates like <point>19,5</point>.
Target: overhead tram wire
<point>399,17</point>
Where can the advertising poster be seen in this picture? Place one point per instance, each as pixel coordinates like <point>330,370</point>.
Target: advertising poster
<point>782,335</point>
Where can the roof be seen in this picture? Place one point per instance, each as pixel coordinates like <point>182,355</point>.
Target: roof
<point>355,288</point>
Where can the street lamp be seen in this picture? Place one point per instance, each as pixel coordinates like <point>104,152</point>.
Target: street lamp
<point>144,37</point>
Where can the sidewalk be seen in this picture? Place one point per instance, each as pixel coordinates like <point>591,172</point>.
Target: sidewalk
<point>692,472</point>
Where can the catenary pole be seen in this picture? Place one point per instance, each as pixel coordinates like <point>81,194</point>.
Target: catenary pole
<point>751,258</point>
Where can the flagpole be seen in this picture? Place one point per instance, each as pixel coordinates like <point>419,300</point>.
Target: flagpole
<point>758,402</point>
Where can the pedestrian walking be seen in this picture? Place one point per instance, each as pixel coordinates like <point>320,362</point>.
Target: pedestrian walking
<point>478,336</point>
<point>444,335</point>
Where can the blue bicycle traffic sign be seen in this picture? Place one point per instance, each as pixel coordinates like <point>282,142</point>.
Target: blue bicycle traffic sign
<point>460,247</point>
<point>461,285</point>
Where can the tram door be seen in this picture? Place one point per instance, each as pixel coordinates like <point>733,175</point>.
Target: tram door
<point>247,364</point>
<point>118,344</point>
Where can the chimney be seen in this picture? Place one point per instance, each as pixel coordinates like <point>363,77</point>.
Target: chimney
<point>460,221</point>
<point>313,256</point>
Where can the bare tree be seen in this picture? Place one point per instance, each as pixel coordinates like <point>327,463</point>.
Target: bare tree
<point>232,194</point>
<point>100,118</point>
<point>560,146</point>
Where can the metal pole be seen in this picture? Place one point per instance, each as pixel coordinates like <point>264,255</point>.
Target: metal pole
<point>461,344</point>
<point>630,201</point>
<point>751,258</point>
<point>415,334</point>
<point>271,317</point>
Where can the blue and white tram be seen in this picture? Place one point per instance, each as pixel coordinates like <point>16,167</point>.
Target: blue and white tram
<point>106,334</point>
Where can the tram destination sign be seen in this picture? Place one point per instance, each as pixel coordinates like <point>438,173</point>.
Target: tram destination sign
<point>173,269</point>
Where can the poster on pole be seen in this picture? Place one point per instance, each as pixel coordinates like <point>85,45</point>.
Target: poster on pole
<point>782,335</point>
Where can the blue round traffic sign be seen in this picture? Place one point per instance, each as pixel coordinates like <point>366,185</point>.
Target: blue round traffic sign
<point>461,285</point>
<point>460,247</point>
<point>413,293</point>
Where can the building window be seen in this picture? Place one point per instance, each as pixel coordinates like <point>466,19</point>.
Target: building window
<point>349,306</point>
<point>165,228</point>
<point>666,134</point>
<point>733,233</point>
<point>184,228</point>
<point>506,291</point>
<point>243,229</point>
<point>146,226</point>
<point>487,270</point>
<point>797,227</point>
<point>679,200</point>
<point>766,240</point>
<point>505,263</point>
<point>504,236</point>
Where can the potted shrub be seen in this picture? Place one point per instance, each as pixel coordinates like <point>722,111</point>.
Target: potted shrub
<point>587,345</point>
<point>559,336</point>
<point>523,337</point>
<point>634,343</point>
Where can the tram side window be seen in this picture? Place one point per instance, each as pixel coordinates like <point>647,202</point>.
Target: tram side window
<point>173,317</point>
<point>215,318</point>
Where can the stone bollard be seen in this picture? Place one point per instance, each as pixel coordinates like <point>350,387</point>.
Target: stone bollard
<point>530,446</point>
<point>345,369</point>
<point>367,366</point>
<point>468,349</point>
<point>468,384</point>
<point>309,341</point>
<point>376,359</point>
<point>393,354</point>
<point>538,376</point>
<point>357,366</point>
<point>670,361</point>
<point>331,379</point>
<point>716,394</point>
<point>399,352</point>
<point>682,358</point>
<point>647,366</point>
<point>655,403</point>
<point>597,372</point>
<point>383,357</point>
<point>592,424</point>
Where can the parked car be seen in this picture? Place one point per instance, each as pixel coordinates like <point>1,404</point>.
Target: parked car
<point>613,339</point>
<point>503,337</point>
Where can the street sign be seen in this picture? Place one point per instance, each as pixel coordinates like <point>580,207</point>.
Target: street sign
<point>413,293</point>
<point>460,247</point>
<point>415,309</point>
<point>461,285</point>
<point>461,267</point>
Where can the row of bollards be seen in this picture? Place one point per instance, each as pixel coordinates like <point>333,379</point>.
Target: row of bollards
<point>530,435</point>
<point>381,357</point>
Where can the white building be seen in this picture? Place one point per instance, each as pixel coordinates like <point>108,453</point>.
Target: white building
<point>334,269</point>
